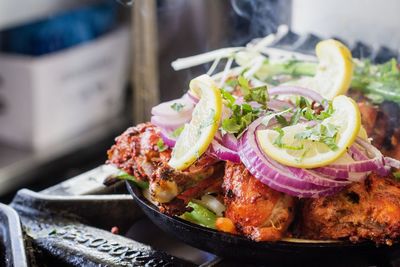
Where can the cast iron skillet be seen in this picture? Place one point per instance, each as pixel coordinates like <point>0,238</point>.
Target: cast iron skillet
<point>269,253</point>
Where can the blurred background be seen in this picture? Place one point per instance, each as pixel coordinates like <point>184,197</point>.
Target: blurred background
<point>74,74</point>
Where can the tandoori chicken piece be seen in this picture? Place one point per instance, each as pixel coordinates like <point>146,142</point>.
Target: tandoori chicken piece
<point>382,124</point>
<point>139,151</point>
<point>257,211</point>
<point>369,210</point>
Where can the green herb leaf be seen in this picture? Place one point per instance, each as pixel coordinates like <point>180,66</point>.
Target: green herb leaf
<point>161,146</point>
<point>177,106</point>
<point>325,134</point>
<point>228,97</point>
<point>302,102</point>
<point>282,120</point>
<point>231,125</point>
<point>244,85</point>
<point>177,132</point>
<point>326,113</point>
<point>279,142</point>
<point>257,94</point>
<point>295,118</point>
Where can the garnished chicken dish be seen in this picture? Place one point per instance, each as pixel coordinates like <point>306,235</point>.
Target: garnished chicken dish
<point>275,148</point>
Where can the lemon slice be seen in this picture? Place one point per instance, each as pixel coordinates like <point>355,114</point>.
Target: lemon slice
<point>304,153</point>
<point>198,134</point>
<point>334,72</point>
<point>363,133</point>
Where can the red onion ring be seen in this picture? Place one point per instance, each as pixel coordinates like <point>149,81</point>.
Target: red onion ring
<point>391,162</point>
<point>230,141</point>
<point>193,98</point>
<point>221,152</point>
<point>168,123</point>
<point>332,172</point>
<point>274,174</point>
<point>296,90</point>
<point>279,105</point>
<point>166,137</point>
<point>165,110</point>
<point>364,165</point>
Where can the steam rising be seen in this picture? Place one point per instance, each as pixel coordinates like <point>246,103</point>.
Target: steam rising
<point>258,18</point>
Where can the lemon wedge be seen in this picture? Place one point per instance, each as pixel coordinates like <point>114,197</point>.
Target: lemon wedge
<point>334,71</point>
<point>305,153</point>
<point>199,132</point>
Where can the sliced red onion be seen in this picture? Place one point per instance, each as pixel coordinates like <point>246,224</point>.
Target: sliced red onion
<point>167,138</point>
<point>384,171</point>
<point>169,124</point>
<point>221,152</point>
<point>332,172</point>
<point>276,175</point>
<point>356,153</point>
<point>253,104</point>
<point>230,141</point>
<point>391,162</point>
<point>318,178</point>
<point>279,105</point>
<point>357,176</point>
<point>364,165</point>
<point>295,90</point>
<point>192,97</point>
<point>165,109</point>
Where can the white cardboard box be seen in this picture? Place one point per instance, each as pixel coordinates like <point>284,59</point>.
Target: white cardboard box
<point>49,99</point>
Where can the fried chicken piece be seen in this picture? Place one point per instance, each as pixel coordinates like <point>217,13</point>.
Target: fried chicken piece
<point>257,211</point>
<point>366,210</point>
<point>138,152</point>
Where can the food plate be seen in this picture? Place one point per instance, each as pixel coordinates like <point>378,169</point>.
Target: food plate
<point>293,252</point>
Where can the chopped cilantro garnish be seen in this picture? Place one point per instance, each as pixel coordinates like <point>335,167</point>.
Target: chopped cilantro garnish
<point>302,102</point>
<point>177,132</point>
<point>256,94</point>
<point>282,120</point>
<point>279,142</point>
<point>177,106</point>
<point>327,112</point>
<point>397,175</point>
<point>161,146</point>
<point>322,133</point>
<point>242,115</point>
<point>228,97</point>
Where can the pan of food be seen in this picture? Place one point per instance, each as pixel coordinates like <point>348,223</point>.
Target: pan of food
<point>274,159</point>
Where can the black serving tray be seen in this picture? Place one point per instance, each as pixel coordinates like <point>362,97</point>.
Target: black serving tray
<point>281,253</point>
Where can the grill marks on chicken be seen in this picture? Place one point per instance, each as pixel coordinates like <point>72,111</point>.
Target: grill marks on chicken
<point>257,211</point>
<point>137,152</point>
<point>367,210</point>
